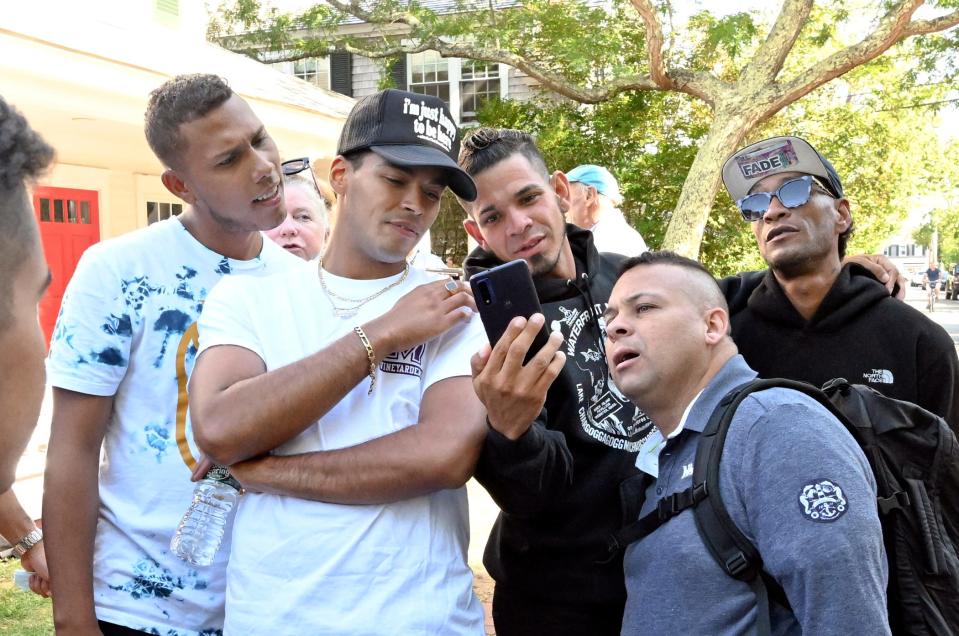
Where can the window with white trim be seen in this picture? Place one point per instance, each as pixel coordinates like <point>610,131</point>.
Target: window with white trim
<point>315,70</point>
<point>479,83</point>
<point>160,211</point>
<point>429,75</point>
<point>465,85</point>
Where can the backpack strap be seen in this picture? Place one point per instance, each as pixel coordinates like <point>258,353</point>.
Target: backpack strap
<point>731,549</point>
<point>666,509</point>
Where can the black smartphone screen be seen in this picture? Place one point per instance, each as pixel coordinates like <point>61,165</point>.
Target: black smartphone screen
<point>502,293</point>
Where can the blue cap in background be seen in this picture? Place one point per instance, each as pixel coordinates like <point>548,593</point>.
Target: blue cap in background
<point>598,177</point>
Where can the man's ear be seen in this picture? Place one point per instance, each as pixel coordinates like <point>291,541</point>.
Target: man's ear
<point>560,185</point>
<point>717,325</point>
<point>472,228</point>
<point>338,171</point>
<point>845,214</point>
<point>177,186</point>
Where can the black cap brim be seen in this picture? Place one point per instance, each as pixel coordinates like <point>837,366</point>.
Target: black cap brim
<point>458,181</point>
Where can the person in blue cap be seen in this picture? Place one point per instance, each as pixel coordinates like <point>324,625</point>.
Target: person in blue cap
<point>594,201</point>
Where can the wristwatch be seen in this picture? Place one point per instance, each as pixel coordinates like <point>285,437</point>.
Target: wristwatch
<point>32,538</point>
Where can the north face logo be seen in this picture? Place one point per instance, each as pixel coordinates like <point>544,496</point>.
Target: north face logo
<point>879,376</point>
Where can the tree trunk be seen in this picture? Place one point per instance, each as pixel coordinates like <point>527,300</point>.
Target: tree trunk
<point>730,124</point>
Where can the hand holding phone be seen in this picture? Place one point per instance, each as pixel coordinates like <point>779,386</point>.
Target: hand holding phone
<point>503,293</point>
<point>513,394</point>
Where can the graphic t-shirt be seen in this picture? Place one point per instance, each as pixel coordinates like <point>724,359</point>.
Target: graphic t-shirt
<point>127,327</point>
<point>322,568</point>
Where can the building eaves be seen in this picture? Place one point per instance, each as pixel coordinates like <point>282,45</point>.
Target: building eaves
<point>246,76</point>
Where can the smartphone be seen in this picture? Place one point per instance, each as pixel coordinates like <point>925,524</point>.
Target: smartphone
<point>502,293</point>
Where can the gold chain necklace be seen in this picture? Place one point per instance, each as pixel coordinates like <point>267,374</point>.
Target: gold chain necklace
<point>355,303</point>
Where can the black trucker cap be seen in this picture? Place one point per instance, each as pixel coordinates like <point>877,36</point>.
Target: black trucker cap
<point>409,130</point>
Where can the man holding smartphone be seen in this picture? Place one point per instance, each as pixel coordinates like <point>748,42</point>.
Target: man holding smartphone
<point>555,451</point>
<point>547,551</point>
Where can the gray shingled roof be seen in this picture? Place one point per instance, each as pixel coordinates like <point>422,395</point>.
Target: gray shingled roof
<point>452,6</point>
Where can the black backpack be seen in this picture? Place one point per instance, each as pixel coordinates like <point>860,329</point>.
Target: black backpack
<point>915,459</point>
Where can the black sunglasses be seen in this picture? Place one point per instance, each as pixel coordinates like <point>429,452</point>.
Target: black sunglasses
<point>791,194</point>
<point>296,166</point>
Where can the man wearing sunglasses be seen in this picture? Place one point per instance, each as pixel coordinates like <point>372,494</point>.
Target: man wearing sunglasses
<point>813,318</point>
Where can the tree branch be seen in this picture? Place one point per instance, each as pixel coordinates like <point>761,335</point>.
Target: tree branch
<point>891,28</point>
<point>923,27</point>
<point>698,84</point>
<point>654,43</point>
<point>547,78</point>
<point>770,57</point>
<point>356,9</point>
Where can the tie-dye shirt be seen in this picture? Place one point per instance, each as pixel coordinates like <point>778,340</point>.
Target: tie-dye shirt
<point>127,327</point>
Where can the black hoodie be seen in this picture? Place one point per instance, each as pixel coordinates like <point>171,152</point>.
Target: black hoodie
<point>859,333</point>
<point>557,485</point>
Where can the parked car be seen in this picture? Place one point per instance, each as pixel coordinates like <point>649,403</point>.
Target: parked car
<point>915,278</point>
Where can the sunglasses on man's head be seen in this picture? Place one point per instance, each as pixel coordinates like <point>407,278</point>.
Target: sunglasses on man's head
<point>296,166</point>
<point>791,194</point>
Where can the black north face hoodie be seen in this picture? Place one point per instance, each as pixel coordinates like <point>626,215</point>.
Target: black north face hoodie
<point>859,333</point>
<point>558,485</point>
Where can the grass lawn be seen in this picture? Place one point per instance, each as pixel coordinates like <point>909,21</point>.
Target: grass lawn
<point>22,613</point>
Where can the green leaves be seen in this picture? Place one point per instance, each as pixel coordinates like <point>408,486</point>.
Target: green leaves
<point>875,120</point>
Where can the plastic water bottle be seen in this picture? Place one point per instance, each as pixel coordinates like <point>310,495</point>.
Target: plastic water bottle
<point>201,530</point>
<point>21,579</point>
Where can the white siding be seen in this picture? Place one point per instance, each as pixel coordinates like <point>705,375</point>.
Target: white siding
<point>366,76</point>
<point>521,86</point>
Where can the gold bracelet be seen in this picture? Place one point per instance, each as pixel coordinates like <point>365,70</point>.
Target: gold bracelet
<point>369,354</point>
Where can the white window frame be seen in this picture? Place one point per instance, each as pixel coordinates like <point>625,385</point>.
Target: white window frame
<point>455,80</point>
<point>171,208</point>
<point>289,68</point>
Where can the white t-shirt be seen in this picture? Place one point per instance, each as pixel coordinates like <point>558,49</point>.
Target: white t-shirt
<point>613,234</point>
<point>306,567</point>
<point>127,327</point>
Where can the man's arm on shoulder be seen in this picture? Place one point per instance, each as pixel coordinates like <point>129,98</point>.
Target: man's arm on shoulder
<point>883,270</point>
<point>438,452</point>
<point>70,505</point>
<point>239,410</point>
<point>810,504</point>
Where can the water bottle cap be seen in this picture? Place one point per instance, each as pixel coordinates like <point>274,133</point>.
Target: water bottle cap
<point>222,474</point>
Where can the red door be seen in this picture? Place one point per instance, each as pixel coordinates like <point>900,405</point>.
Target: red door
<point>69,224</point>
